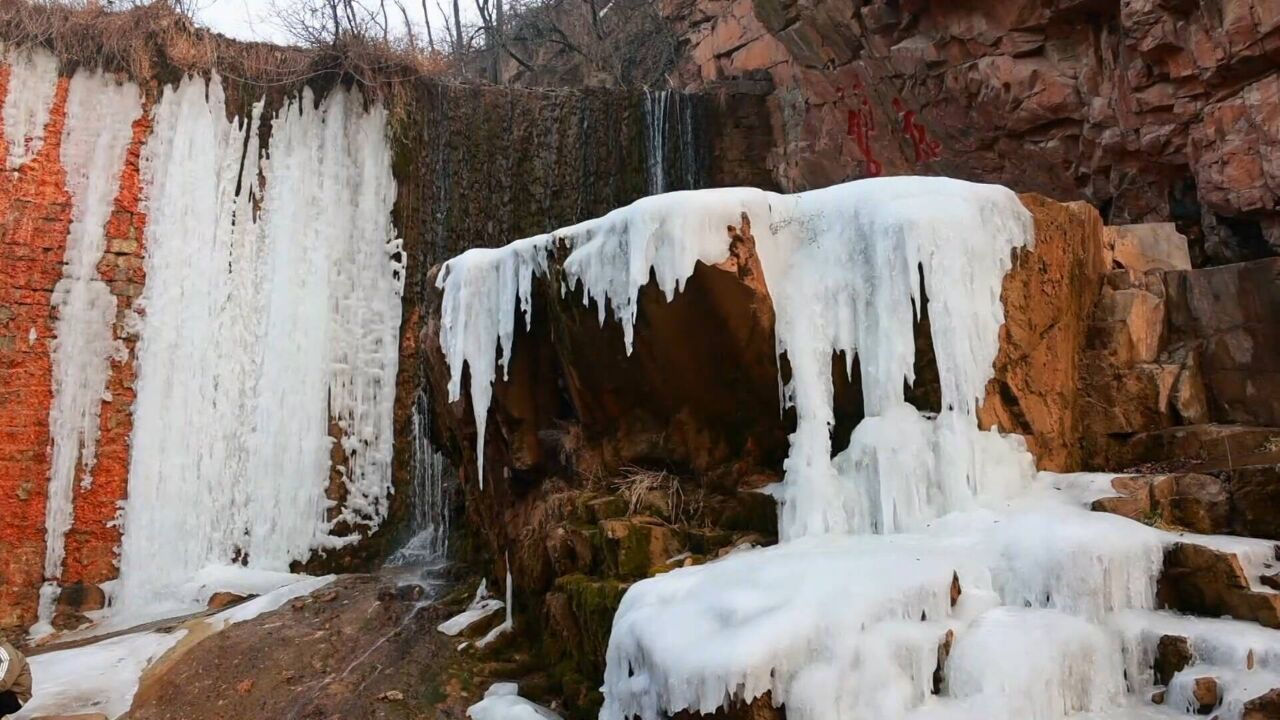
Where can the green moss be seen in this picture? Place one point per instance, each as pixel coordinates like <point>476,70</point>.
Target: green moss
<point>594,602</point>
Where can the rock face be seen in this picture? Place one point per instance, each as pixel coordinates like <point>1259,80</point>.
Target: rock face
<point>1154,111</point>
<point>1226,317</point>
<point>1048,299</point>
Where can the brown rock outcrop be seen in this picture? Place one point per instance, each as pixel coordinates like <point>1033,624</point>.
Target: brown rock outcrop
<point>1198,503</point>
<point>1173,653</point>
<point>1154,111</point>
<point>1263,707</point>
<point>1203,581</point>
<point>1048,299</point>
<point>1227,316</point>
<point>602,468</point>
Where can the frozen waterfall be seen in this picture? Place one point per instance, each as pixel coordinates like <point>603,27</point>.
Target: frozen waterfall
<point>924,533</point>
<point>269,333</point>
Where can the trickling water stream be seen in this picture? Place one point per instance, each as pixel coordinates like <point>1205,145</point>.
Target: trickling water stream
<point>432,494</point>
<point>673,151</point>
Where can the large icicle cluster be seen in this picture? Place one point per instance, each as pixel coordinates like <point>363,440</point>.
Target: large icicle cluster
<point>100,116</point>
<point>845,618</point>
<point>272,305</point>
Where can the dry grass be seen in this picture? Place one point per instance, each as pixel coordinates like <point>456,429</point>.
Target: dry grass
<point>157,42</point>
<point>637,485</point>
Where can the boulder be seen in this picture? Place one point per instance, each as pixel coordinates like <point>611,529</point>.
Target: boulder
<point>220,600</point>
<point>1198,503</point>
<point>81,597</point>
<point>1263,707</point>
<point>1202,581</point>
<point>1206,694</point>
<point>1149,246</point>
<point>1255,500</point>
<point>67,621</point>
<point>1173,653</point>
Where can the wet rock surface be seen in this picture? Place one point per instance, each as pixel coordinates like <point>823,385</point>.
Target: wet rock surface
<point>340,652</point>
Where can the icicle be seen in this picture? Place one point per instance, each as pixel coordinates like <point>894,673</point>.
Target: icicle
<point>508,624</point>
<point>33,81</point>
<point>99,125</point>
<point>484,290</point>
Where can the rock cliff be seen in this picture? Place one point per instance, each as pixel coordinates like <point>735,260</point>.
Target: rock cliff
<point>1151,111</point>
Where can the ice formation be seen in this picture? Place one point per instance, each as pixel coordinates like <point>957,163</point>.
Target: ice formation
<point>271,308</point>
<point>846,616</point>
<point>100,115</point>
<point>481,607</point>
<point>481,287</point>
<point>502,701</point>
<point>33,82</point>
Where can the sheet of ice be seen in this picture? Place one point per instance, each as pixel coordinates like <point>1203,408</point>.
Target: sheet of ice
<point>1235,687</point>
<point>502,701</point>
<point>509,623</point>
<point>99,124</point>
<point>272,307</point>
<point>1217,642</point>
<point>844,268</point>
<point>799,619</point>
<point>1082,488</point>
<point>481,607</point>
<point>1033,664</point>
<point>1064,558</point>
<point>266,603</point>
<point>33,82</point>
<point>98,678</point>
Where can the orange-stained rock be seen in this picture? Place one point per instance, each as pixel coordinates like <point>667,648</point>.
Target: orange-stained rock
<point>1048,299</point>
<point>35,216</point>
<point>1263,707</point>
<point>1198,503</point>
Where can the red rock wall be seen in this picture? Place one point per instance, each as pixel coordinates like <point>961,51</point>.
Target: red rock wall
<point>1150,110</point>
<point>35,217</point>
<point>93,539</point>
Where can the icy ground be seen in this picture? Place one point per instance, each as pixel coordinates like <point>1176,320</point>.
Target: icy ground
<point>103,677</point>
